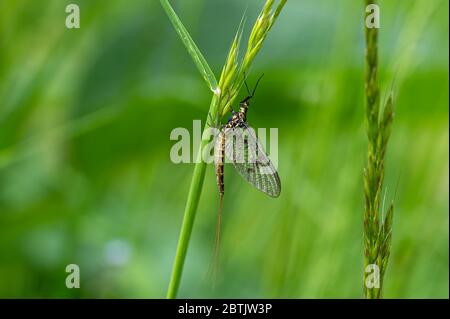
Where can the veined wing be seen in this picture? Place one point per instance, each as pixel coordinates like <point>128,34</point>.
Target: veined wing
<point>249,158</point>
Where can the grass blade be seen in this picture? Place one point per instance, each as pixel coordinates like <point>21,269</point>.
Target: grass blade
<point>192,48</point>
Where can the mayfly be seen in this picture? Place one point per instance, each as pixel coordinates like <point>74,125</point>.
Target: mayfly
<point>237,142</point>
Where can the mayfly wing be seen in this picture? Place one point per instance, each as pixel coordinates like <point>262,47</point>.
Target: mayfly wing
<point>249,158</point>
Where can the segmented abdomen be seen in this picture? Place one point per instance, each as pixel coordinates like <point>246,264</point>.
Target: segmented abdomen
<point>219,160</point>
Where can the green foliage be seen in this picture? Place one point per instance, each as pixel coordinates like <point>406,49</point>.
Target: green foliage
<point>86,178</point>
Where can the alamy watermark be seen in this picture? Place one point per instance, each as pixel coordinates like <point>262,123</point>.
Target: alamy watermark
<point>373,277</point>
<point>73,279</point>
<point>373,17</point>
<point>243,144</point>
<point>73,17</point>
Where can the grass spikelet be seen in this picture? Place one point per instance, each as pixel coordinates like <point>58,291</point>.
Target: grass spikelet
<point>377,229</point>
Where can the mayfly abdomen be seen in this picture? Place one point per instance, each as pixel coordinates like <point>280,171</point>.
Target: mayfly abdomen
<point>220,160</point>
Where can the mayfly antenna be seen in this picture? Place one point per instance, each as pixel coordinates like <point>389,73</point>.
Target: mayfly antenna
<point>246,86</point>
<point>256,85</point>
<point>250,95</point>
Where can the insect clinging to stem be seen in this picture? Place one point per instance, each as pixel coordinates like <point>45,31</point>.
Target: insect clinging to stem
<point>237,142</point>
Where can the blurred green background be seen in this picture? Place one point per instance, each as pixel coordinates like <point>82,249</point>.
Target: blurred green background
<point>86,178</point>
